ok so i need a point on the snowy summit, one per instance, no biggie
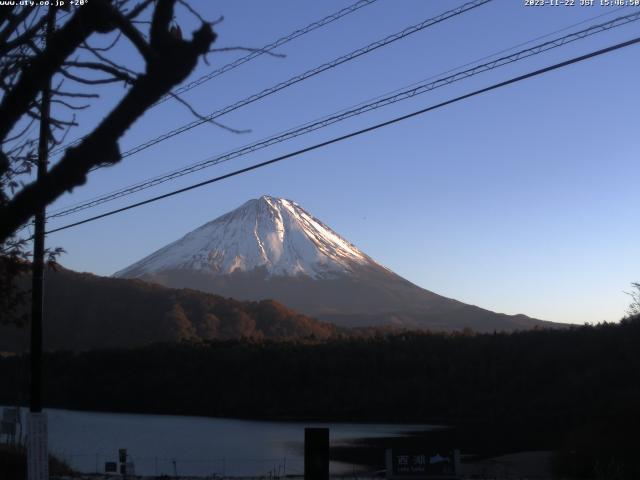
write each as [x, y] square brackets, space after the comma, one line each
[270, 248]
[268, 232]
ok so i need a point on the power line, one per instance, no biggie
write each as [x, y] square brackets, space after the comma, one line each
[271, 46]
[311, 73]
[306, 75]
[250, 56]
[416, 89]
[214, 160]
[500, 52]
[358, 132]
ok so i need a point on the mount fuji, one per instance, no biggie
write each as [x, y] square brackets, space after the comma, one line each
[272, 248]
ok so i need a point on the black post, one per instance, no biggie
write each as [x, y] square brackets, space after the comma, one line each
[316, 454]
[37, 283]
[37, 449]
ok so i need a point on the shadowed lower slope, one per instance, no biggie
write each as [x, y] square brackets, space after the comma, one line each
[368, 296]
[272, 248]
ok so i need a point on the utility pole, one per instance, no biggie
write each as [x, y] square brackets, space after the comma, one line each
[37, 449]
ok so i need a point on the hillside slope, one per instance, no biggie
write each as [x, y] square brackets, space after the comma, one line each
[85, 311]
[272, 248]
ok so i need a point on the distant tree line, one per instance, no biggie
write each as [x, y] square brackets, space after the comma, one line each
[576, 390]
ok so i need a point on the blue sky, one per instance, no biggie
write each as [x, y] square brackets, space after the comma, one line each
[522, 200]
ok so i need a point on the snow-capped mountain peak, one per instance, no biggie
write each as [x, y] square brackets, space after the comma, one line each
[270, 248]
[267, 232]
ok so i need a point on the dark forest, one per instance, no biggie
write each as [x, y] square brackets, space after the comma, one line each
[576, 390]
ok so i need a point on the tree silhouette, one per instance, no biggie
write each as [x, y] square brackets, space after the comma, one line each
[71, 61]
[26, 66]
[634, 306]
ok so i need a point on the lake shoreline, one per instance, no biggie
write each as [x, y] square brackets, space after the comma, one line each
[166, 444]
[360, 450]
[362, 454]
[435, 422]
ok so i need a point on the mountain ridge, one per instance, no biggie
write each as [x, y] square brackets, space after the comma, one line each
[274, 233]
[272, 248]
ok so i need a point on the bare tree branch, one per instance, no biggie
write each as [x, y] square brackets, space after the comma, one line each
[138, 9]
[103, 49]
[75, 94]
[23, 37]
[12, 24]
[170, 63]
[21, 132]
[88, 81]
[85, 21]
[248, 49]
[104, 59]
[198, 115]
[134, 36]
[70, 105]
[114, 71]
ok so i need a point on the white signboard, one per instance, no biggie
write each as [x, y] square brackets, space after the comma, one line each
[37, 451]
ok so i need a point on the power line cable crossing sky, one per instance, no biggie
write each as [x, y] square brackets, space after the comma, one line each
[357, 133]
[310, 73]
[329, 120]
[252, 56]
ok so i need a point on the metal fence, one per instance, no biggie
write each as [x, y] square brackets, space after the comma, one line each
[224, 467]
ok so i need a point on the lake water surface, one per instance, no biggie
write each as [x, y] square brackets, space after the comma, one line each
[166, 444]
